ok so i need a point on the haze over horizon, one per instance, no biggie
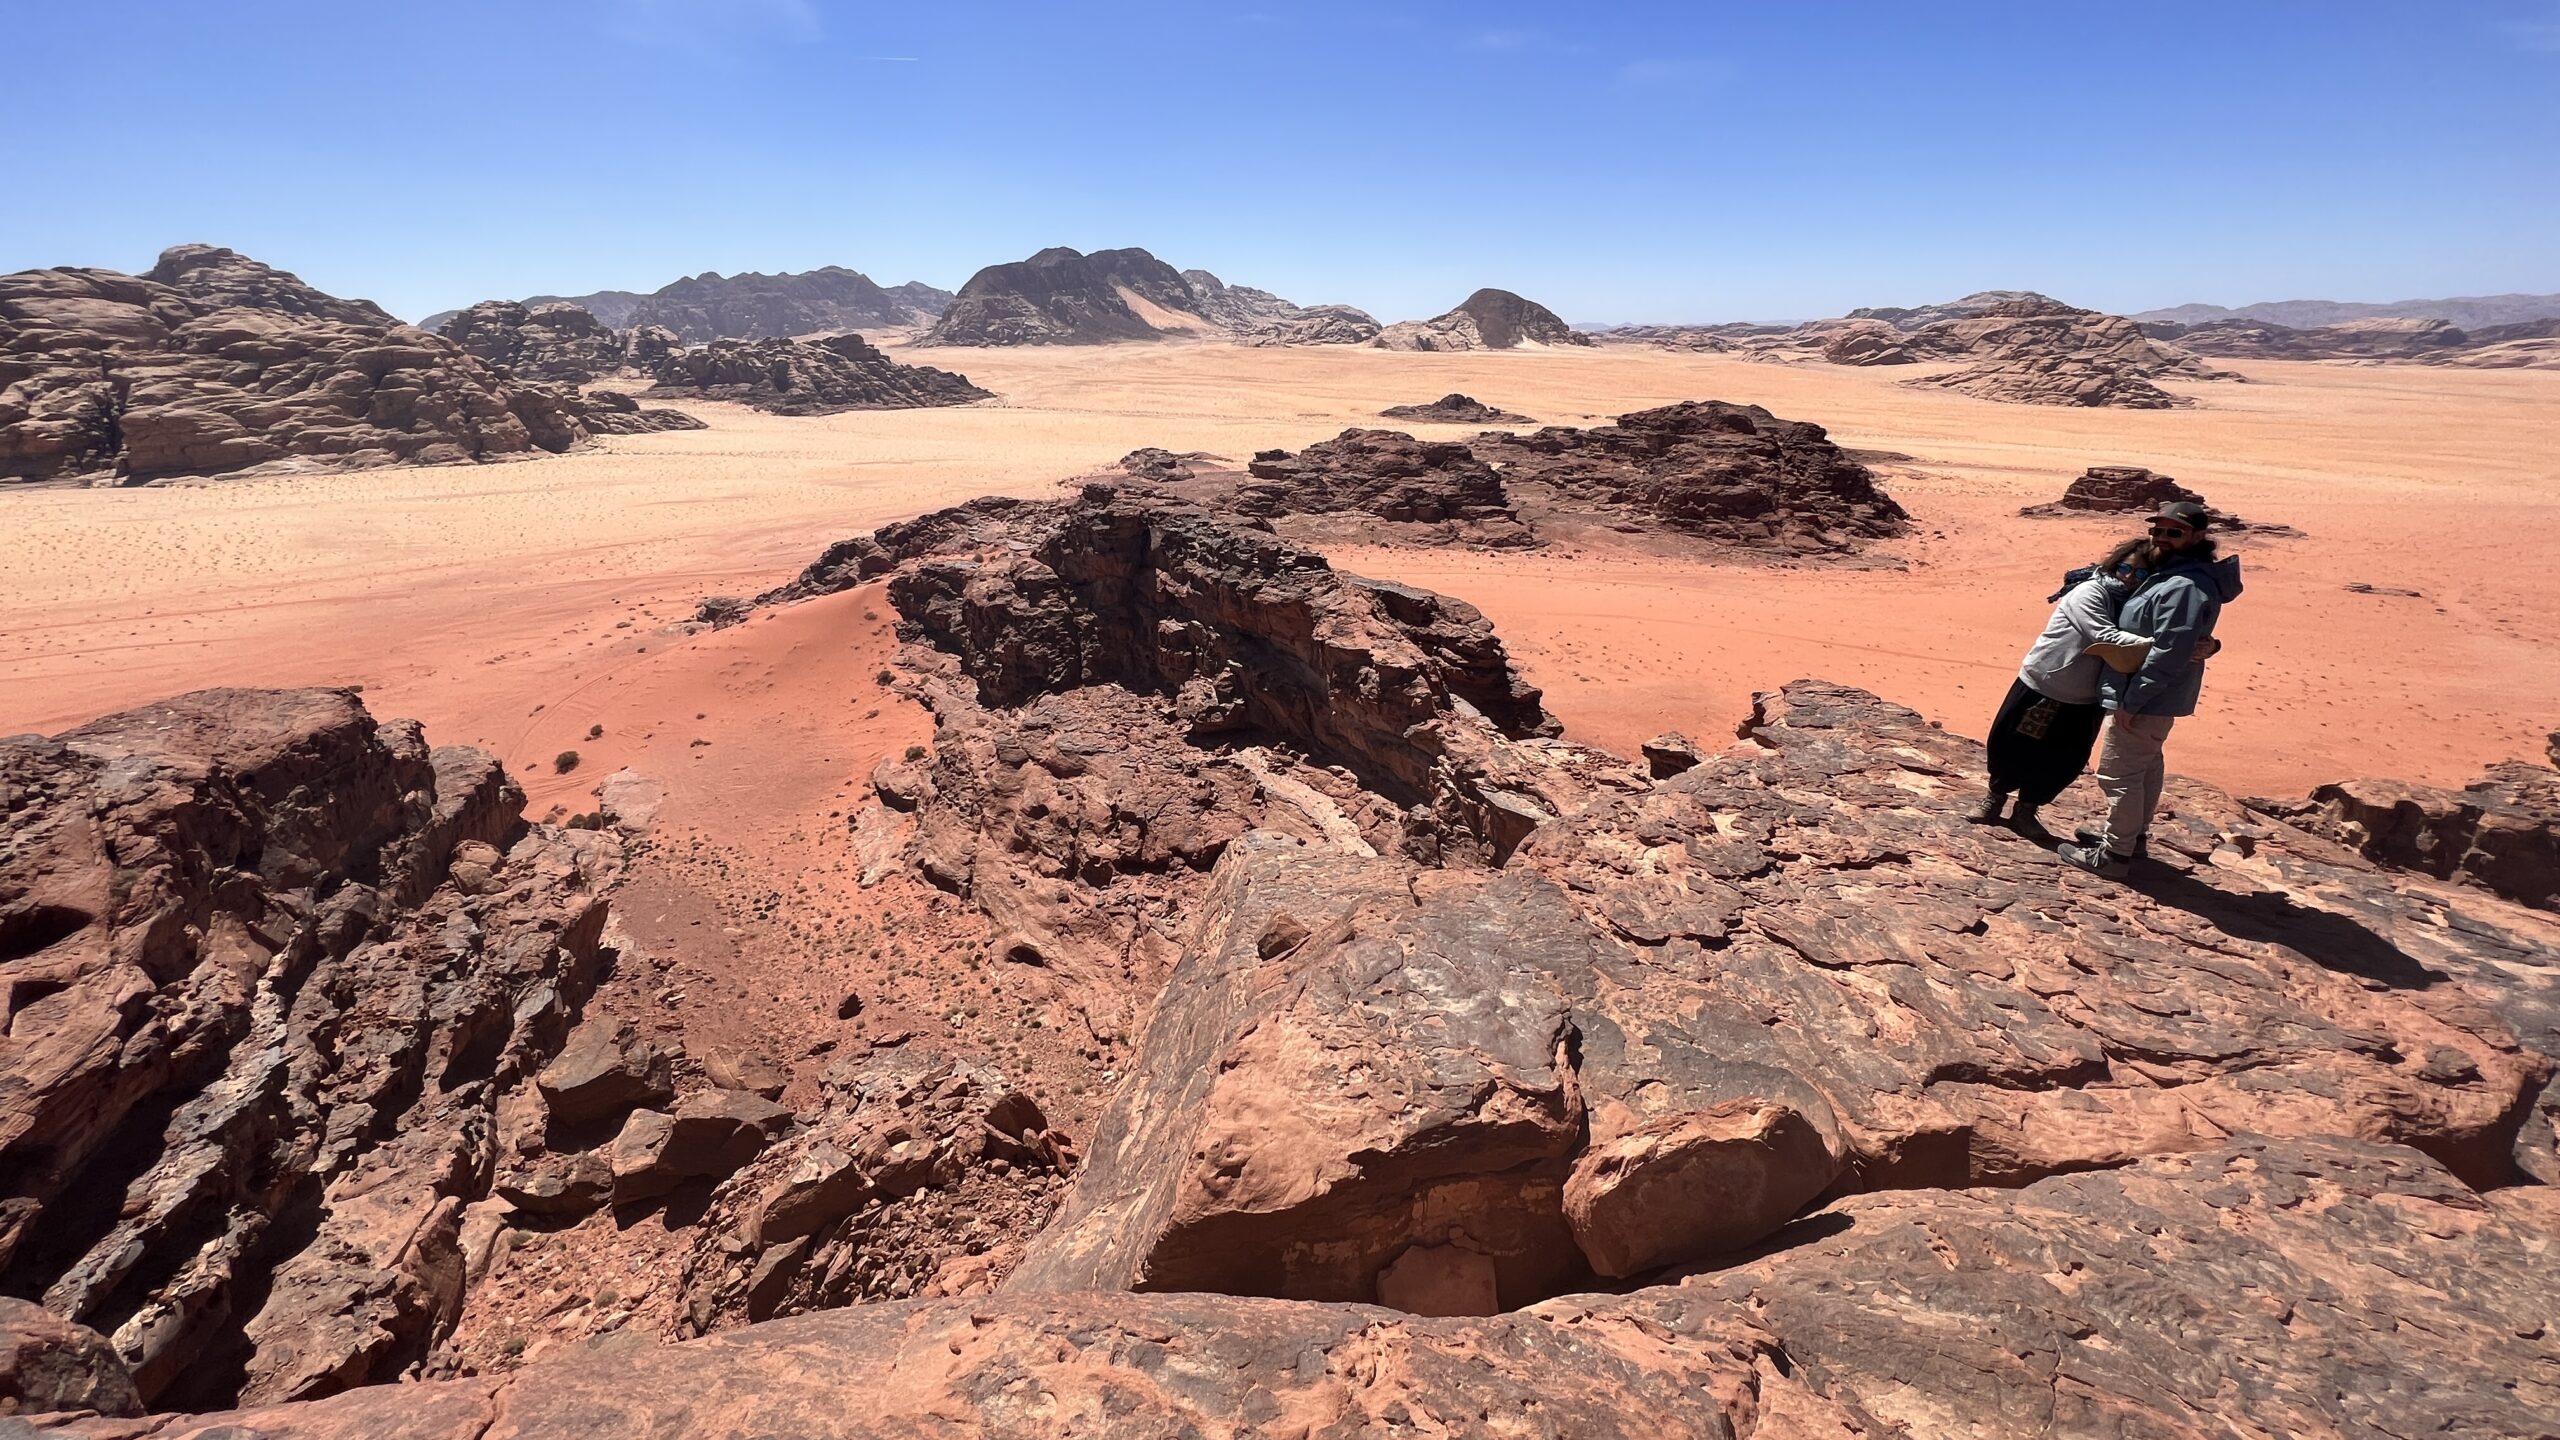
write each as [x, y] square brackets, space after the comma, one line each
[1658, 163]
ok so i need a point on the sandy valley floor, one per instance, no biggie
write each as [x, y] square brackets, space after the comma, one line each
[502, 604]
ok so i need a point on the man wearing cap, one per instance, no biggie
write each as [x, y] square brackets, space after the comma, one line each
[2177, 607]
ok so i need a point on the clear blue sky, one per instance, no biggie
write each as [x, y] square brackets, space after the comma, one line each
[1670, 161]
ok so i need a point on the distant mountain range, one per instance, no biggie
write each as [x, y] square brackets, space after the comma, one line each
[712, 306]
[2468, 311]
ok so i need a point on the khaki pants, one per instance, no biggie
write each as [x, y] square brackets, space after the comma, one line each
[2131, 769]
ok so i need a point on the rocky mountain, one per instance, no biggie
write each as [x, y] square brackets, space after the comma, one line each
[753, 306]
[556, 341]
[2466, 311]
[1487, 320]
[1065, 297]
[1473, 1073]
[802, 377]
[226, 364]
[2529, 343]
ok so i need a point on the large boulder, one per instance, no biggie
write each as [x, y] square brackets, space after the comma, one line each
[258, 1033]
[48, 1363]
[2502, 832]
[215, 364]
[604, 1071]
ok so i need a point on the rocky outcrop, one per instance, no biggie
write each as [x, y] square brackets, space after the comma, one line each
[2502, 832]
[610, 412]
[47, 1363]
[702, 308]
[2354, 1289]
[269, 968]
[132, 379]
[557, 342]
[2374, 338]
[1730, 473]
[2038, 351]
[1455, 409]
[1066, 297]
[2117, 490]
[1684, 1011]
[699, 309]
[921, 1176]
[800, 377]
[223, 279]
[1487, 320]
[1437, 486]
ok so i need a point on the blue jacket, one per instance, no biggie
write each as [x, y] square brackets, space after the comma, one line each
[2176, 607]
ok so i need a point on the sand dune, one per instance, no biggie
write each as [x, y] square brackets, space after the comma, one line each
[467, 597]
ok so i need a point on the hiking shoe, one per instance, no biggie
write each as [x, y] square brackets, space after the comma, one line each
[2092, 839]
[2024, 821]
[1986, 811]
[2096, 859]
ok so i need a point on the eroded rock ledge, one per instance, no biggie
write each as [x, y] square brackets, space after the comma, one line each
[268, 968]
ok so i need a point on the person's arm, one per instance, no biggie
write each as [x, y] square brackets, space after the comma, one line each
[2177, 613]
[2089, 612]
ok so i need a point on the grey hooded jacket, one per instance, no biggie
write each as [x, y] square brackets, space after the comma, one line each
[2055, 666]
[2177, 607]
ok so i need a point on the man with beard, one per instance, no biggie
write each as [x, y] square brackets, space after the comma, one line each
[2177, 605]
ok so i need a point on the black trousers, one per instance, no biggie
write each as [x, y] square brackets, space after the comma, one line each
[2039, 746]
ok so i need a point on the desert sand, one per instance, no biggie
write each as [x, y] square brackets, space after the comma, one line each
[488, 600]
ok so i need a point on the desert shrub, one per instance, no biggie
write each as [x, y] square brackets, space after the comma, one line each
[595, 732]
[915, 752]
[564, 762]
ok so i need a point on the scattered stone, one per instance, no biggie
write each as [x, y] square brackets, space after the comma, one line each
[1670, 753]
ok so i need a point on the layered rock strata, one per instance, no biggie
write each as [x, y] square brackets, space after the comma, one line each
[270, 968]
[558, 341]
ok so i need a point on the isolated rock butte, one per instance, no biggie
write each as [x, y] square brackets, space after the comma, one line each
[2039, 351]
[1393, 477]
[1731, 473]
[261, 1013]
[104, 374]
[808, 377]
[2353, 1290]
[1487, 320]
[1065, 297]
[1455, 409]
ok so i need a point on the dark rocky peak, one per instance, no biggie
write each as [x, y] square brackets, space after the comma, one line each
[1454, 409]
[1980, 302]
[1486, 320]
[228, 278]
[800, 377]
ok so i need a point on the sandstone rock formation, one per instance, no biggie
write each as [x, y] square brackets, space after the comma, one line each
[1487, 320]
[2501, 832]
[610, 412]
[1731, 473]
[1065, 297]
[699, 309]
[1387, 475]
[228, 280]
[922, 1175]
[801, 377]
[2354, 1290]
[2526, 343]
[1455, 409]
[132, 379]
[546, 342]
[2139, 490]
[47, 1363]
[2039, 351]
[269, 968]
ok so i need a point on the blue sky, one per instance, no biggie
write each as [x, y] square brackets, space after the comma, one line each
[1692, 161]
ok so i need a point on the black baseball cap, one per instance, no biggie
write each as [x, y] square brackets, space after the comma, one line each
[2185, 512]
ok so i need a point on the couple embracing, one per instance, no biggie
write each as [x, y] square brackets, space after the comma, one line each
[2125, 648]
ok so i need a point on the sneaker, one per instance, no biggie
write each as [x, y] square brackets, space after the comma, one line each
[2096, 859]
[1986, 811]
[2092, 839]
[2024, 821]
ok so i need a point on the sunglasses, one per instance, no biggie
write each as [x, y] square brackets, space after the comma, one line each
[2172, 531]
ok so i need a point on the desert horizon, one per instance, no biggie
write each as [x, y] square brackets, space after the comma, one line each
[1249, 823]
